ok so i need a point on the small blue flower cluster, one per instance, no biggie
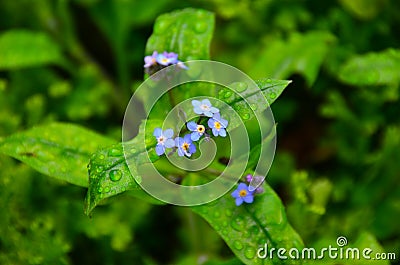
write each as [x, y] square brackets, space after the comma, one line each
[242, 192]
[162, 59]
[185, 145]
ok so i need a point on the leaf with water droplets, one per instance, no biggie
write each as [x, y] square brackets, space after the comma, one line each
[187, 32]
[247, 228]
[109, 174]
[269, 89]
[58, 150]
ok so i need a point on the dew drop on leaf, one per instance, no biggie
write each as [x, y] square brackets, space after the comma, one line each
[228, 94]
[239, 86]
[217, 214]
[115, 175]
[99, 169]
[237, 223]
[228, 213]
[237, 245]
[115, 152]
[249, 252]
[200, 27]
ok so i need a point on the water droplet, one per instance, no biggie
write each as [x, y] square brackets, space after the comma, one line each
[115, 175]
[225, 232]
[100, 189]
[272, 95]
[225, 223]
[228, 213]
[269, 80]
[239, 86]
[200, 27]
[115, 152]
[238, 223]
[107, 189]
[237, 245]
[217, 214]
[216, 227]
[249, 252]
[63, 170]
[101, 156]
[99, 169]
[228, 94]
[245, 116]
[221, 93]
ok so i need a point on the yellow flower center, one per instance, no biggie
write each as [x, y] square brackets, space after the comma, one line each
[200, 128]
[164, 60]
[217, 125]
[204, 107]
[242, 193]
[185, 146]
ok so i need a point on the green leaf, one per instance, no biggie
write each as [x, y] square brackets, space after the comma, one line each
[187, 32]
[381, 68]
[110, 175]
[22, 48]
[271, 89]
[58, 150]
[301, 54]
[247, 228]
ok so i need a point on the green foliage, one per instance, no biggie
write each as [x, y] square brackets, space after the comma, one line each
[187, 32]
[22, 48]
[57, 150]
[247, 228]
[335, 170]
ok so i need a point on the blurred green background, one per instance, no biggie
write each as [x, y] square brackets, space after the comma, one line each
[337, 164]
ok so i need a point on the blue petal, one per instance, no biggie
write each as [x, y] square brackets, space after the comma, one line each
[222, 132]
[214, 110]
[238, 201]
[178, 141]
[169, 133]
[217, 116]
[192, 126]
[206, 102]
[192, 149]
[196, 103]
[195, 136]
[180, 152]
[187, 138]
[169, 143]
[223, 122]
[235, 193]
[160, 149]
[211, 123]
[208, 113]
[157, 132]
[242, 186]
[198, 110]
[249, 198]
[215, 131]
